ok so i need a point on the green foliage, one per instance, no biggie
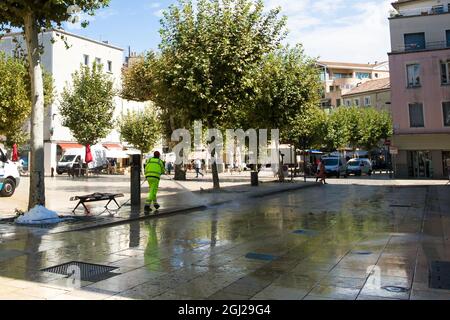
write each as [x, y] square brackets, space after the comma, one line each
[15, 104]
[15, 97]
[357, 127]
[210, 53]
[288, 84]
[87, 106]
[47, 14]
[308, 129]
[138, 79]
[375, 125]
[141, 129]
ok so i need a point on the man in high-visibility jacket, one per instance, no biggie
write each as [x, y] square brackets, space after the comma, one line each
[154, 168]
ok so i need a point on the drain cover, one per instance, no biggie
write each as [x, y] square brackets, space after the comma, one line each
[395, 289]
[363, 252]
[88, 271]
[305, 232]
[440, 275]
[260, 256]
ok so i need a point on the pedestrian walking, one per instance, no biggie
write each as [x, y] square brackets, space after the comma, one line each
[198, 167]
[322, 173]
[154, 168]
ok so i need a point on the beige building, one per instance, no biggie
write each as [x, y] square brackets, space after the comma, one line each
[374, 93]
[339, 78]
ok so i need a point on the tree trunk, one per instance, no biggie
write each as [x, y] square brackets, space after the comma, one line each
[180, 173]
[215, 175]
[215, 171]
[37, 174]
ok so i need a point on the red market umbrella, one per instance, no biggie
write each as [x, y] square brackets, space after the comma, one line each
[15, 153]
[88, 158]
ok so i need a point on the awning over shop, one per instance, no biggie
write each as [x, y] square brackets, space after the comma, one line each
[116, 154]
[67, 146]
[113, 146]
[131, 151]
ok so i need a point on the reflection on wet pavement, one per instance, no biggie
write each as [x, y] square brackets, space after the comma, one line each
[335, 242]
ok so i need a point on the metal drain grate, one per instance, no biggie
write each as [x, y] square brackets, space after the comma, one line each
[260, 256]
[440, 275]
[395, 289]
[88, 271]
[363, 253]
[305, 232]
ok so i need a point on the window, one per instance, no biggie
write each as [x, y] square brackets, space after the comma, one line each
[357, 102]
[338, 102]
[445, 72]
[348, 103]
[98, 61]
[342, 75]
[109, 66]
[363, 75]
[86, 60]
[367, 101]
[414, 41]
[446, 110]
[413, 74]
[416, 119]
[447, 35]
[437, 9]
[376, 75]
[331, 88]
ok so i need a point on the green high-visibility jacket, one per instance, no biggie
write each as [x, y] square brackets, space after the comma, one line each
[154, 168]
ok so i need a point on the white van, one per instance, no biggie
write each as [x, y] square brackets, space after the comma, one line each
[9, 176]
[335, 166]
[72, 157]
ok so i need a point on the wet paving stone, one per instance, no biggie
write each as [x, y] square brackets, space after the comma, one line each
[335, 292]
[202, 255]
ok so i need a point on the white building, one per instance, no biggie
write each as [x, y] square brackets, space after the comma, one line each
[62, 62]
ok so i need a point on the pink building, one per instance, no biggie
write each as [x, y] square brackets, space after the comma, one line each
[420, 82]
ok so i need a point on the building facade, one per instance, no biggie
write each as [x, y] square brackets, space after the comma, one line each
[62, 62]
[339, 78]
[373, 93]
[420, 81]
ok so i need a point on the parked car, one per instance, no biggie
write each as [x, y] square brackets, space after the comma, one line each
[359, 167]
[335, 166]
[9, 176]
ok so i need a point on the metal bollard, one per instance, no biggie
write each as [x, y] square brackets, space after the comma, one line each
[254, 176]
[136, 180]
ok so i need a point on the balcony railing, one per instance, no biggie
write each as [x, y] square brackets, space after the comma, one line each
[432, 45]
[439, 9]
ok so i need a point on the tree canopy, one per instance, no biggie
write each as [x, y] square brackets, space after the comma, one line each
[357, 127]
[87, 106]
[141, 129]
[15, 97]
[46, 13]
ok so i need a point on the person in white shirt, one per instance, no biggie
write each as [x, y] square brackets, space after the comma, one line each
[198, 167]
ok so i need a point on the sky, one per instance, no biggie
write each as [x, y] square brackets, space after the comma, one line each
[333, 30]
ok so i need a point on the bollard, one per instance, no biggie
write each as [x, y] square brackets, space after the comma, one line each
[136, 180]
[255, 181]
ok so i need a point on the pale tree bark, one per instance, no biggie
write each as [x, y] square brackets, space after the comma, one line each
[37, 178]
[215, 171]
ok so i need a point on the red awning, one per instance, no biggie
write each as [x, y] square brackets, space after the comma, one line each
[66, 146]
[113, 146]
